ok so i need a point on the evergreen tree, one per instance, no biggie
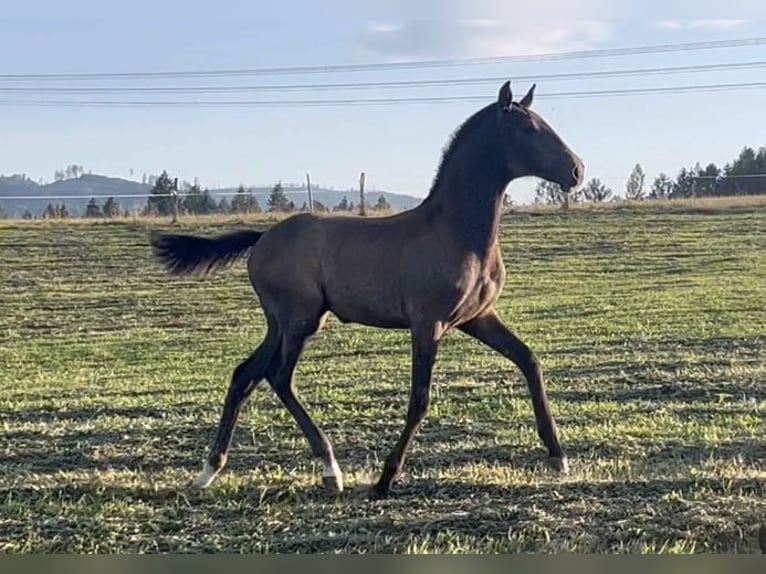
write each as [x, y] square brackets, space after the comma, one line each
[382, 204]
[111, 208]
[277, 199]
[244, 201]
[684, 185]
[160, 202]
[342, 206]
[93, 209]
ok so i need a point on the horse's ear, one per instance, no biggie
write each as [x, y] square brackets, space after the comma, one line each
[526, 101]
[505, 97]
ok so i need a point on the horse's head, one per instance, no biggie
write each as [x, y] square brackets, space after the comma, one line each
[531, 146]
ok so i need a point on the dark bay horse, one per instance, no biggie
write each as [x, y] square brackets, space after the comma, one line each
[430, 269]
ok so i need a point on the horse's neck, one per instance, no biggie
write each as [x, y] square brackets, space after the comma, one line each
[468, 198]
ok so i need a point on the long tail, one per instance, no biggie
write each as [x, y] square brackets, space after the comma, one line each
[189, 253]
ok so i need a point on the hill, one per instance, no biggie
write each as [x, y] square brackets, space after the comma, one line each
[19, 194]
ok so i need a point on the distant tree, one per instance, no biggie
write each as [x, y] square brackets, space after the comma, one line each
[76, 170]
[634, 188]
[662, 187]
[27, 215]
[224, 206]
[707, 181]
[244, 201]
[58, 175]
[55, 211]
[684, 184]
[3, 215]
[320, 207]
[382, 204]
[209, 205]
[93, 209]
[160, 202]
[343, 205]
[198, 202]
[277, 199]
[596, 191]
[111, 208]
[548, 192]
[745, 175]
[252, 204]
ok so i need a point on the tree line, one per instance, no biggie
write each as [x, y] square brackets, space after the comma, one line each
[745, 175]
[165, 200]
[197, 201]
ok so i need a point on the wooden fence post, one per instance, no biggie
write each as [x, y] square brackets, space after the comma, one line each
[308, 188]
[174, 193]
[362, 210]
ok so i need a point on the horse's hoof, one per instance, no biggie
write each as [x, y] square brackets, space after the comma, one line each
[332, 477]
[378, 492]
[204, 478]
[333, 484]
[559, 464]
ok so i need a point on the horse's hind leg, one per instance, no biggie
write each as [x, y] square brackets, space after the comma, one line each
[280, 375]
[244, 379]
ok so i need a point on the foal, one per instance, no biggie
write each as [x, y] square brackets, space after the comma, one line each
[430, 269]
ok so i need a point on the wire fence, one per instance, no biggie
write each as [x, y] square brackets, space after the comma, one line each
[292, 190]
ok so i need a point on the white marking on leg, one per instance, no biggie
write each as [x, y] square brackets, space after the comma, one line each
[332, 470]
[204, 478]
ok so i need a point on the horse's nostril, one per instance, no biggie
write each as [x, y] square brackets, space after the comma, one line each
[576, 173]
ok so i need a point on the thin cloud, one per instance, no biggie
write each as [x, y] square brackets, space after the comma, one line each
[699, 24]
[419, 39]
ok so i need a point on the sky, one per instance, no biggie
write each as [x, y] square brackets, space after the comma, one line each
[397, 146]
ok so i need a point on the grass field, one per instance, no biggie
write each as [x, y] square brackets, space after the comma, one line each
[650, 324]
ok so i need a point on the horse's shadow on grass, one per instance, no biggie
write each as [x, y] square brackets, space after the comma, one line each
[428, 508]
[181, 444]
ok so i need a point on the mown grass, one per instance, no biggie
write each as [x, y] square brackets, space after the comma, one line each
[650, 323]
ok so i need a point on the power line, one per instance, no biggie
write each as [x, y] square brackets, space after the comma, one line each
[629, 72]
[732, 176]
[377, 101]
[413, 65]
